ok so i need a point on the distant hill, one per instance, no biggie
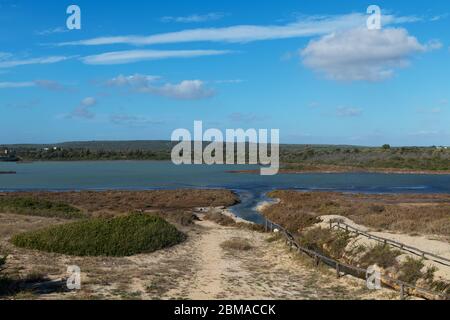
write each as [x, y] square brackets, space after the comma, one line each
[294, 157]
[143, 145]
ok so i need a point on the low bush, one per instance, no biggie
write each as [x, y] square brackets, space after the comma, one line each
[38, 207]
[326, 241]
[380, 255]
[411, 270]
[237, 244]
[120, 236]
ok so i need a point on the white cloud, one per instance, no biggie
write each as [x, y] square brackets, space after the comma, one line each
[88, 102]
[136, 80]
[348, 112]
[195, 18]
[362, 54]
[83, 110]
[185, 90]
[122, 57]
[6, 62]
[306, 27]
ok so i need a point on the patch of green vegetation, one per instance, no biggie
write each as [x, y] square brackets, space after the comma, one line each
[120, 236]
[326, 241]
[380, 255]
[411, 270]
[296, 157]
[38, 207]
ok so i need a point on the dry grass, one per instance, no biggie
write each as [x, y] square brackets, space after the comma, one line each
[413, 214]
[239, 244]
[127, 201]
[220, 219]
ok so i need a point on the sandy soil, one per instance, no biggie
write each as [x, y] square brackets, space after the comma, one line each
[197, 269]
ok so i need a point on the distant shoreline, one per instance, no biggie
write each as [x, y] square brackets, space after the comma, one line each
[8, 172]
[320, 169]
[343, 169]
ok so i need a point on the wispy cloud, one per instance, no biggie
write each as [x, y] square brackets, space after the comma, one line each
[7, 60]
[435, 110]
[50, 85]
[46, 84]
[195, 18]
[133, 121]
[83, 109]
[24, 105]
[306, 27]
[130, 56]
[15, 85]
[52, 31]
[348, 112]
[246, 117]
[229, 81]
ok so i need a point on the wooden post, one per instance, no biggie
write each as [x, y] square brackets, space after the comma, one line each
[338, 272]
[317, 260]
[331, 225]
[266, 227]
[402, 292]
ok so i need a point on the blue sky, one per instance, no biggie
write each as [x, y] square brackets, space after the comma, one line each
[141, 69]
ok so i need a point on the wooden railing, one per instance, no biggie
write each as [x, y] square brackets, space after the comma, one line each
[342, 268]
[418, 252]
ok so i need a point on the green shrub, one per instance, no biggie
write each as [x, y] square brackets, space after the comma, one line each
[380, 255]
[37, 207]
[120, 236]
[326, 241]
[411, 270]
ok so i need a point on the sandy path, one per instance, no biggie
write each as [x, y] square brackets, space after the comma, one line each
[268, 271]
[208, 282]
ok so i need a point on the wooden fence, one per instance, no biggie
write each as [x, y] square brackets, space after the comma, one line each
[342, 268]
[423, 254]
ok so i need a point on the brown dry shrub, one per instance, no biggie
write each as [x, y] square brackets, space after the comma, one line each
[238, 244]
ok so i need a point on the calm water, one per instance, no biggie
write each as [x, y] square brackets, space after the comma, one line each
[144, 175]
